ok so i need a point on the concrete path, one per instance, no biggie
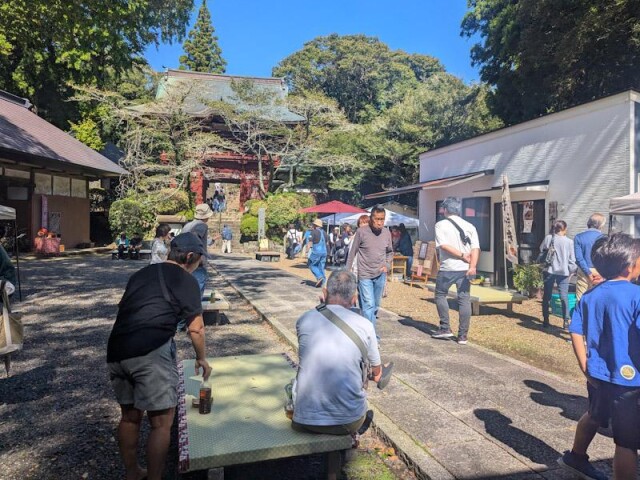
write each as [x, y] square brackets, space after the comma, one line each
[452, 411]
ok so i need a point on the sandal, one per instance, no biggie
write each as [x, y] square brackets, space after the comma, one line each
[386, 375]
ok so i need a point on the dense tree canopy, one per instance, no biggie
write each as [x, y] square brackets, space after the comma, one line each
[361, 73]
[202, 52]
[545, 55]
[45, 44]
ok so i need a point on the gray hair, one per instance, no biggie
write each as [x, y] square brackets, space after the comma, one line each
[453, 205]
[597, 220]
[343, 284]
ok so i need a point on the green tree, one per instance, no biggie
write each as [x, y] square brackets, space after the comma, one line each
[545, 55]
[45, 44]
[87, 132]
[202, 52]
[440, 111]
[361, 73]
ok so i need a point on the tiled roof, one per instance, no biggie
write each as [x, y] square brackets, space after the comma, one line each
[24, 132]
[215, 87]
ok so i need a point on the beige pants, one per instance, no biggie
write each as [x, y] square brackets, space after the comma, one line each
[583, 283]
[226, 246]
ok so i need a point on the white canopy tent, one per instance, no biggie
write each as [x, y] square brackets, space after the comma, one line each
[9, 214]
[627, 205]
[391, 218]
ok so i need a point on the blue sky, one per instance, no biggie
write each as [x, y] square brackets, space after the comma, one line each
[256, 34]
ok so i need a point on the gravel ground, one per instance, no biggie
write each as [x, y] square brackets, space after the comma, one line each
[519, 334]
[57, 411]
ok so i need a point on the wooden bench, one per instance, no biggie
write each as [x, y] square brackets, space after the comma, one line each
[268, 256]
[247, 423]
[210, 308]
[145, 254]
[486, 296]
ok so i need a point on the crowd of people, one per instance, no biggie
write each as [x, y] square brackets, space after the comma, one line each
[339, 341]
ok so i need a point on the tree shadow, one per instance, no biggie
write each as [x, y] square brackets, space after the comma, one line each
[27, 386]
[499, 427]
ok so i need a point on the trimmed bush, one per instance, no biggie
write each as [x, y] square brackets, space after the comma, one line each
[131, 216]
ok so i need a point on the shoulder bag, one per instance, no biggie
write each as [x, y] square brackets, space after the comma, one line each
[547, 255]
[365, 366]
[464, 238]
[12, 331]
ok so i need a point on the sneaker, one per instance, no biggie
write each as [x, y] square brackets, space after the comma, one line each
[442, 333]
[580, 466]
[462, 339]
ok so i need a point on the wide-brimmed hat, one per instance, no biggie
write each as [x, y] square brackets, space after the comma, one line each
[188, 243]
[203, 212]
[317, 222]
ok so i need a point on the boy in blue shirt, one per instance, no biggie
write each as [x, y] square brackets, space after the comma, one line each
[605, 332]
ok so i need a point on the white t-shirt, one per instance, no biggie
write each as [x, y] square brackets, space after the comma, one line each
[447, 234]
[329, 383]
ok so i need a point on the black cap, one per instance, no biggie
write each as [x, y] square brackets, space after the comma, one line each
[187, 242]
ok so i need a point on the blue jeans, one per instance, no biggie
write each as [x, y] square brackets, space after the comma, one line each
[563, 285]
[316, 264]
[201, 276]
[444, 280]
[370, 293]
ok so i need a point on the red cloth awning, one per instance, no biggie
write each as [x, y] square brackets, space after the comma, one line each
[334, 206]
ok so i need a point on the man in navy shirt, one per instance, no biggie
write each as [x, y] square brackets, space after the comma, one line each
[605, 332]
[583, 243]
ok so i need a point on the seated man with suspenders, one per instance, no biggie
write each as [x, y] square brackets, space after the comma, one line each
[338, 354]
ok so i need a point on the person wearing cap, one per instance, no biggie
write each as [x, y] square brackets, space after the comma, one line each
[317, 252]
[141, 353]
[458, 249]
[200, 228]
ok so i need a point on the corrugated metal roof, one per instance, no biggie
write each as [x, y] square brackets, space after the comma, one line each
[24, 132]
[218, 88]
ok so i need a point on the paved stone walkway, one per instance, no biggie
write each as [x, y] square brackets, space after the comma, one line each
[453, 411]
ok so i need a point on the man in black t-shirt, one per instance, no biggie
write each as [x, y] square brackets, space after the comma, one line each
[141, 353]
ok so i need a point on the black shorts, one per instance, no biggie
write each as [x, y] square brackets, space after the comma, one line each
[618, 404]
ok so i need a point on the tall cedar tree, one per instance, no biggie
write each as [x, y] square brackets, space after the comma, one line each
[202, 52]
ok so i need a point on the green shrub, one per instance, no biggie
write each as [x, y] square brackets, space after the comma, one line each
[130, 215]
[527, 278]
[249, 226]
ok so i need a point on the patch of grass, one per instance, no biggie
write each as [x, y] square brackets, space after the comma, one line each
[367, 466]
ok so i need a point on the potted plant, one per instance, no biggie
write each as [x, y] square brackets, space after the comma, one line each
[528, 279]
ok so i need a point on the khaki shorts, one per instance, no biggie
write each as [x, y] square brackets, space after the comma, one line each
[149, 382]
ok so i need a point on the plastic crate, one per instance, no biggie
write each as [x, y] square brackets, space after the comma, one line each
[556, 304]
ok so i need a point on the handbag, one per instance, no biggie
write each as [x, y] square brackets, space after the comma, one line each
[547, 255]
[12, 331]
[365, 366]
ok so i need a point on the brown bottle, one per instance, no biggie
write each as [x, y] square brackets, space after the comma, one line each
[205, 397]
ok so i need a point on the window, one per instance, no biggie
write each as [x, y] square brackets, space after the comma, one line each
[477, 211]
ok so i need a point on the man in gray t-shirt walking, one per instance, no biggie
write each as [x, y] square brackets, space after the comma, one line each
[374, 249]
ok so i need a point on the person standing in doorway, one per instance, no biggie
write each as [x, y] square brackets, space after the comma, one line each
[583, 244]
[317, 252]
[200, 228]
[374, 250]
[227, 236]
[459, 249]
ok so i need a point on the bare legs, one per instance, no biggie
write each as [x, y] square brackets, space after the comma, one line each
[585, 431]
[157, 444]
[625, 463]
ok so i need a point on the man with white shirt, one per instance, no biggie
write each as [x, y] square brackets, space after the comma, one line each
[459, 249]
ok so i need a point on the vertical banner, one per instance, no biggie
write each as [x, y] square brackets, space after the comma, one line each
[44, 216]
[508, 224]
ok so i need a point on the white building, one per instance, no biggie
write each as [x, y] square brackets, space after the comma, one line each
[565, 165]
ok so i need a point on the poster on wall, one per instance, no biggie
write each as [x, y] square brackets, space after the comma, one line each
[54, 221]
[527, 217]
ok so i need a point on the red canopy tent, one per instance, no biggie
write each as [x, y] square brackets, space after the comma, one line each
[334, 206]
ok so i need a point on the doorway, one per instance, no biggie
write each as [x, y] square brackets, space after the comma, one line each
[529, 219]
